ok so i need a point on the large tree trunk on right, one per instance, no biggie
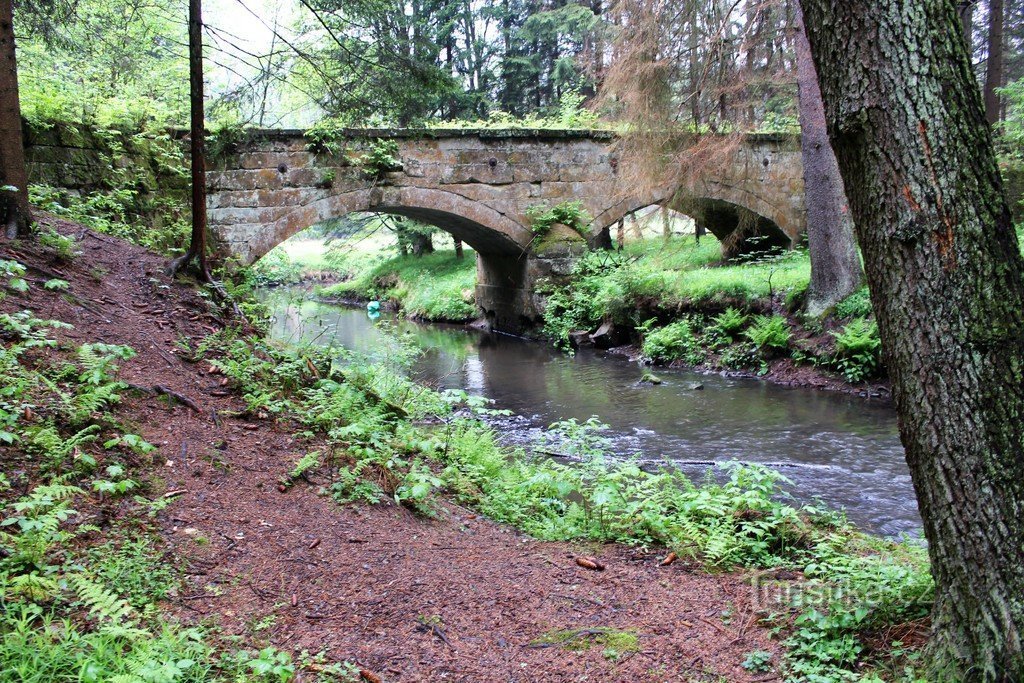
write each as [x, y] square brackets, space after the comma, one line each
[908, 126]
[835, 263]
[14, 208]
[994, 72]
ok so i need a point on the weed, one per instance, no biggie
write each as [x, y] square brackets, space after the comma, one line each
[770, 334]
[570, 214]
[858, 350]
[381, 159]
[758, 661]
[64, 247]
[675, 341]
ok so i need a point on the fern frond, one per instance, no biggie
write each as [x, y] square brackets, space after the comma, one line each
[102, 602]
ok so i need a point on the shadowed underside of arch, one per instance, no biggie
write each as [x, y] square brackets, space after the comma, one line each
[744, 223]
[484, 229]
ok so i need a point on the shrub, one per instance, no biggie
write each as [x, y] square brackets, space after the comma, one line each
[857, 305]
[382, 158]
[770, 334]
[543, 218]
[730, 322]
[858, 350]
[673, 342]
[64, 247]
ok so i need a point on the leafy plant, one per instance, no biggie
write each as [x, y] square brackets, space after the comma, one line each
[381, 158]
[770, 334]
[730, 322]
[674, 342]
[758, 661]
[571, 214]
[858, 350]
[64, 247]
[14, 274]
[327, 136]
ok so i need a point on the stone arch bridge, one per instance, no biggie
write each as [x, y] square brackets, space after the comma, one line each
[478, 185]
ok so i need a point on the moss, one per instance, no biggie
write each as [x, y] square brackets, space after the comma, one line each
[581, 639]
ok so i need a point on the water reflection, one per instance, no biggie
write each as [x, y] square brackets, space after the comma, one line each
[840, 449]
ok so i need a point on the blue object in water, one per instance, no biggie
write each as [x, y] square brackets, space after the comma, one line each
[373, 306]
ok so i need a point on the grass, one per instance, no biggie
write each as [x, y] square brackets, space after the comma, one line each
[435, 286]
[684, 271]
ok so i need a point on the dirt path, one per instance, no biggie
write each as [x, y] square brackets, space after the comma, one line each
[456, 598]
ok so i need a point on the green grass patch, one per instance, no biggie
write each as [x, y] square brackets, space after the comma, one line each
[437, 286]
[615, 642]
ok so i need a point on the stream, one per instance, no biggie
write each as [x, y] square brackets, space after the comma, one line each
[840, 449]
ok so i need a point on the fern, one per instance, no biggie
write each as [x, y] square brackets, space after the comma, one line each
[102, 602]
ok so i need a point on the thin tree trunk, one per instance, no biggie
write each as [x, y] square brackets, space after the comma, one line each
[458, 249]
[947, 284]
[14, 208]
[666, 224]
[197, 244]
[835, 264]
[994, 70]
[966, 10]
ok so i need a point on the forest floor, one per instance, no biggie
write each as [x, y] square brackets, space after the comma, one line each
[408, 598]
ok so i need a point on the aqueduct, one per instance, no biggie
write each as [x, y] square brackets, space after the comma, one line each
[478, 185]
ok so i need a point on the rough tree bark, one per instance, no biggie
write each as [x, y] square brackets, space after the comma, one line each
[197, 243]
[835, 263]
[994, 70]
[908, 126]
[14, 208]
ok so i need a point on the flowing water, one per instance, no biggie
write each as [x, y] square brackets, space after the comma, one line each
[843, 450]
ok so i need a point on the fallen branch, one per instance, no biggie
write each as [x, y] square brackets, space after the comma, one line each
[160, 390]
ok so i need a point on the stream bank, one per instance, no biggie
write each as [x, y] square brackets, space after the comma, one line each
[669, 304]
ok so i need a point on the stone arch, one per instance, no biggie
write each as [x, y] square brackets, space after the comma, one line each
[484, 229]
[731, 213]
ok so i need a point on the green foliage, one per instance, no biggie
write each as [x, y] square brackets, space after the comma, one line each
[571, 214]
[157, 222]
[13, 274]
[64, 247]
[857, 305]
[328, 136]
[381, 159]
[225, 137]
[270, 665]
[66, 76]
[770, 334]
[758, 661]
[307, 463]
[858, 350]
[730, 322]
[570, 114]
[437, 286]
[675, 341]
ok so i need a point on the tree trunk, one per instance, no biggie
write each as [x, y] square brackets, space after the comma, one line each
[458, 248]
[835, 264]
[966, 10]
[994, 71]
[14, 208]
[666, 225]
[421, 243]
[197, 244]
[947, 284]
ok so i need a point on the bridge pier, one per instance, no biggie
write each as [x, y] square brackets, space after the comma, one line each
[506, 290]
